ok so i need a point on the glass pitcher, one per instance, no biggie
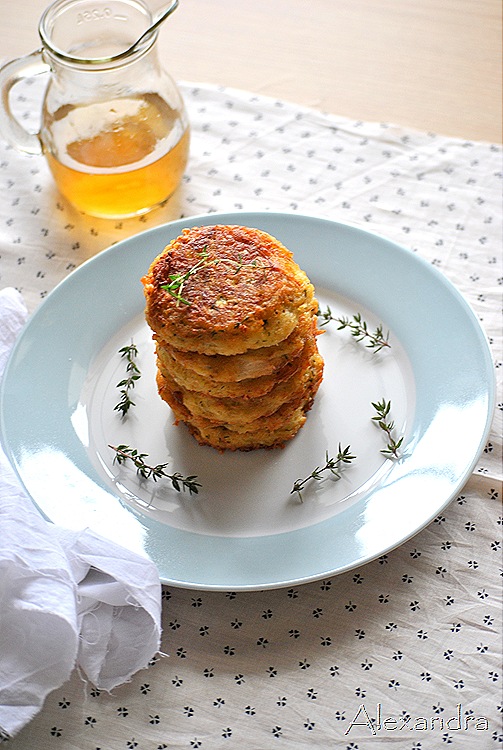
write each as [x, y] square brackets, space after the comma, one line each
[114, 129]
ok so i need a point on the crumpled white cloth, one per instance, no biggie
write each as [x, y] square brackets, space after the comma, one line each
[67, 598]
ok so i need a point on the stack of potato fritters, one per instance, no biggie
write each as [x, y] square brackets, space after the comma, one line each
[235, 325]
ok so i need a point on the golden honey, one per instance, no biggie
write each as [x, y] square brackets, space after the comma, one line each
[133, 162]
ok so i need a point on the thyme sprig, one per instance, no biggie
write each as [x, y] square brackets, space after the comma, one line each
[177, 280]
[124, 453]
[383, 409]
[332, 465]
[359, 328]
[129, 353]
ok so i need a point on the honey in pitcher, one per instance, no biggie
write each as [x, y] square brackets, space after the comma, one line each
[117, 159]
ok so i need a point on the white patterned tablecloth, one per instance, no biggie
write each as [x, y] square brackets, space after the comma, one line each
[414, 637]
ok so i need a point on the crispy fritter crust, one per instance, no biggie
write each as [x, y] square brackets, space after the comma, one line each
[247, 291]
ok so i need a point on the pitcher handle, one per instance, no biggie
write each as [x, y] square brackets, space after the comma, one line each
[10, 128]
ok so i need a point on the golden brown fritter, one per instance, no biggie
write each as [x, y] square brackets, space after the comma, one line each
[254, 363]
[222, 438]
[243, 389]
[272, 430]
[234, 321]
[255, 413]
[240, 289]
[242, 411]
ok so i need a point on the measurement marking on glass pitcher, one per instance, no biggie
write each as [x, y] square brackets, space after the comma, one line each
[96, 14]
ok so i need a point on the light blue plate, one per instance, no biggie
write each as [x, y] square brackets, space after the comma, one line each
[245, 530]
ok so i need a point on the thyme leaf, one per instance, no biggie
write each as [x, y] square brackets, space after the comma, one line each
[129, 353]
[124, 453]
[382, 420]
[359, 328]
[332, 465]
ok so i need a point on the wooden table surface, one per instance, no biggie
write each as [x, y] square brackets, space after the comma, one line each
[429, 64]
